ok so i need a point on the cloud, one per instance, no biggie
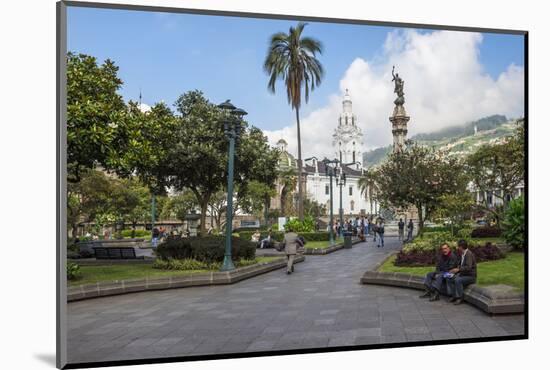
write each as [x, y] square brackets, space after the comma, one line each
[445, 85]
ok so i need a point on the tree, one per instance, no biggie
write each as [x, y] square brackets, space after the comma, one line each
[87, 198]
[367, 186]
[95, 114]
[287, 177]
[498, 169]
[198, 159]
[292, 58]
[514, 223]
[130, 201]
[455, 208]
[419, 176]
[314, 209]
[179, 205]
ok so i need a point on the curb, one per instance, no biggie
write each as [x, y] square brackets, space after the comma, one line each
[105, 289]
[332, 248]
[494, 299]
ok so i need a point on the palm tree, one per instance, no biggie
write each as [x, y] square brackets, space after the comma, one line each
[367, 185]
[291, 58]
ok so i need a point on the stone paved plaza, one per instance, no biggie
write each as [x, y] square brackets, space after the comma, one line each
[321, 305]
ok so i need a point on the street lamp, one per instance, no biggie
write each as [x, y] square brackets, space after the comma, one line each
[232, 129]
[330, 172]
[341, 182]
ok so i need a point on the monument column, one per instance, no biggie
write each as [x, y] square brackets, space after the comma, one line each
[399, 117]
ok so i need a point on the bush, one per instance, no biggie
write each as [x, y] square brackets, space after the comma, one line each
[137, 233]
[514, 223]
[208, 249]
[184, 264]
[428, 257]
[73, 271]
[308, 225]
[486, 232]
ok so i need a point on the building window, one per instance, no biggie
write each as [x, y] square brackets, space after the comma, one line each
[340, 156]
[351, 204]
[327, 190]
[351, 190]
[353, 156]
[490, 197]
[346, 120]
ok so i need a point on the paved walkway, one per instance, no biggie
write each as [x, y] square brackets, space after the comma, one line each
[321, 305]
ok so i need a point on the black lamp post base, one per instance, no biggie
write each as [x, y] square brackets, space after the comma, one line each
[227, 264]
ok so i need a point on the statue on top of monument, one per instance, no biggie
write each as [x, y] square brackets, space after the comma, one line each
[399, 83]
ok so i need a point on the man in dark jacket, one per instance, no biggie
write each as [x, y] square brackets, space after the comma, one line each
[464, 275]
[434, 280]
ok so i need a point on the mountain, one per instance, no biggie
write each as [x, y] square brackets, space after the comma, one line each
[459, 140]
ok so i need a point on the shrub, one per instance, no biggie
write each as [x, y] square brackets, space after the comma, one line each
[185, 264]
[137, 233]
[428, 257]
[486, 232]
[208, 249]
[307, 225]
[514, 223]
[73, 271]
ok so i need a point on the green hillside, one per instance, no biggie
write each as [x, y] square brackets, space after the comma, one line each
[459, 140]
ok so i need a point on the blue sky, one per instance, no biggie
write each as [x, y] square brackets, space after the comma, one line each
[166, 55]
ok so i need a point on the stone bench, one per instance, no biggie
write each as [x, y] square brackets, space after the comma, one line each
[494, 299]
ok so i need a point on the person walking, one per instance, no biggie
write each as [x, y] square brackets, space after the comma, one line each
[291, 243]
[410, 228]
[401, 226]
[381, 233]
[155, 238]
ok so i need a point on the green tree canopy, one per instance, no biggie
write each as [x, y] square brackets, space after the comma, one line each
[95, 114]
[419, 176]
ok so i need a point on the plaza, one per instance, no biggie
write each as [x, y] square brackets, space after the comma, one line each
[321, 305]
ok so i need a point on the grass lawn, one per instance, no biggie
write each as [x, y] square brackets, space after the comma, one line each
[322, 244]
[94, 274]
[508, 271]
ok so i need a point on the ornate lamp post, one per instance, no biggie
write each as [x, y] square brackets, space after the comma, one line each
[330, 172]
[232, 129]
[341, 182]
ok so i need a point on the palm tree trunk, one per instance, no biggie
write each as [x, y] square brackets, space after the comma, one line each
[300, 190]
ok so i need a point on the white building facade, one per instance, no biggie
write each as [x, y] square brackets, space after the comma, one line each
[348, 148]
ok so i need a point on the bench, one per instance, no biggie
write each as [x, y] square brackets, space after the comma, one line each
[109, 253]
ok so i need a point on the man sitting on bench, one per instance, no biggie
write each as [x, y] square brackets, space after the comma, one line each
[464, 275]
[434, 280]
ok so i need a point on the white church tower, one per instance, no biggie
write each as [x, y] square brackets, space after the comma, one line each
[347, 137]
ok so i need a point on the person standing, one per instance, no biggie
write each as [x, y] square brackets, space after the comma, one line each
[291, 243]
[381, 233]
[464, 275]
[410, 228]
[401, 226]
[433, 282]
[155, 238]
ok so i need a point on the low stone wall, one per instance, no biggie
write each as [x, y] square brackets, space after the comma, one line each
[80, 292]
[94, 262]
[494, 299]
[333, 248]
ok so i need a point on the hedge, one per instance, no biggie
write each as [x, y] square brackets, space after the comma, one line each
[207, 249]
[488, 252]
[486, 232]
[137, 233]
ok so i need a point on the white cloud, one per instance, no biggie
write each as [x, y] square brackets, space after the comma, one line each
[445, 84]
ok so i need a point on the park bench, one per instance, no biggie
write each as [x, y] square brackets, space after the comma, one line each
[109, 253]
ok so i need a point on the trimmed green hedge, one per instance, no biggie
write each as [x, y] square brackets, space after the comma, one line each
[208, 249]
[137, 234]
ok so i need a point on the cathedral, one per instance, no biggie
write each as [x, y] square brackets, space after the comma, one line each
[347, 147]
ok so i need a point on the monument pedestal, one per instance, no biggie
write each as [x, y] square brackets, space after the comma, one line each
[399, 121]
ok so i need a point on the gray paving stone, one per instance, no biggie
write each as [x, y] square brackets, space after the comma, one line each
[311, 308]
